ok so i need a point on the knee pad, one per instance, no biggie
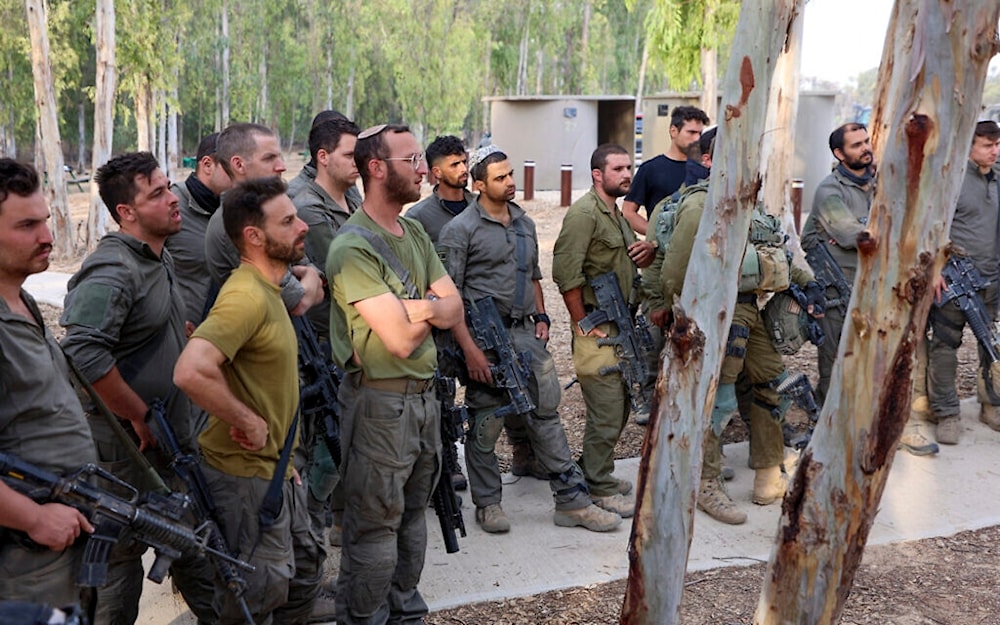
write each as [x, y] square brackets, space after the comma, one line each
[725, 406]
[736, 344]
[945, 330]
[487, 432]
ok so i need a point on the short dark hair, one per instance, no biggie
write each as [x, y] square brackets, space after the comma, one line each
[116, 179]
[837, 136]
[326, 135]
[207, 147]
[373, 147]
[479, 169]
[238, 140]
[242, 205]
[684, 114]
[440, 147]
[988, 129]
[707, 141]
[600, 156]
[17, 178]
[324, 116]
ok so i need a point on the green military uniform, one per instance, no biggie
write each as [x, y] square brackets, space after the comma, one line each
[433, 215]
[123, 310]
[41, 422]
[487, 258]
[839, 214]
[594, 240]
[390, 429]
[187, 248]
[250, 326]
[749, 348]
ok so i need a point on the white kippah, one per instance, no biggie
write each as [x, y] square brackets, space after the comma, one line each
[479, 154]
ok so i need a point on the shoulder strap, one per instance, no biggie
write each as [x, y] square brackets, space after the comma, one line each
[382, 249]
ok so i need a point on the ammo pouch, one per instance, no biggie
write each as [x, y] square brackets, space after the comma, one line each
[765, 262]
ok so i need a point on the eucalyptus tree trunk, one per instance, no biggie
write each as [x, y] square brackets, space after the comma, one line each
[778, 144]
[225, 64]
[173, 137]
[143, 104]
[931, 81]
[670, 468]
[48, 130]
[104, 114]
[709, 82]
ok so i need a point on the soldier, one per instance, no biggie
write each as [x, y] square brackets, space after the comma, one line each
[41, 420]
[389, 289]
[662, 175]
[595, 239]
[199, 197]
[974, 234]
[839, 214]
[492, 250]
[240, 366]
[749, 348]
[308, 172]
[124, 323]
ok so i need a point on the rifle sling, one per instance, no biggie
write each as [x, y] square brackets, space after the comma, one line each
[382, 249]
[270, 507]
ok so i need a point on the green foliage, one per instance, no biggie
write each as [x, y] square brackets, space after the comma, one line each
[679, 29]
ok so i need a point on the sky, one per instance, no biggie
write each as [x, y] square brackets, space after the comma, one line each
[842, 38]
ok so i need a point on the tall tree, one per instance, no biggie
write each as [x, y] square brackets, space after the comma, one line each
[48, 129]
[670, 468]
[104, 113]
[931, 48]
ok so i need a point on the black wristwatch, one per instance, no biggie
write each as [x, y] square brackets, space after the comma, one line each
[541, 318]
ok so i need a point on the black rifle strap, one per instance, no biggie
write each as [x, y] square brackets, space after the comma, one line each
[270, 508]
[146, 468]
[382, 249]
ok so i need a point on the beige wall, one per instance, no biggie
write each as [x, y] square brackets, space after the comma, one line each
[546, 131]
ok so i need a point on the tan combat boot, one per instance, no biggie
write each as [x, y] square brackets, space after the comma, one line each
[715, 502]
[768, 486]
[592, 517]
[990, 415]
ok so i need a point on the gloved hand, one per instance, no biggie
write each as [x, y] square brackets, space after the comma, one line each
[815, 299]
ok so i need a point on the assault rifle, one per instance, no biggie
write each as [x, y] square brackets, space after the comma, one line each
[512, 369]
[964, 280]
[319, 380]
[829, 274]
[796, 387]
[447, 505]
[813, 329]
[156, 521]
[633, 341]
[203, 506]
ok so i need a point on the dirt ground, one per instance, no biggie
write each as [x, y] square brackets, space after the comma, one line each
[936, 581]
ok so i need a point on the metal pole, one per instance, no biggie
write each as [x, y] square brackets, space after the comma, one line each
[797, 186]
[566, 187]
[529, 180]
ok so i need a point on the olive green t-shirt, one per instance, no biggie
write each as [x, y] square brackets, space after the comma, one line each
[249, 324]
[356, 272]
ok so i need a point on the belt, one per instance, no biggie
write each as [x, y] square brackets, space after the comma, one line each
[403, 386]
[510, 322]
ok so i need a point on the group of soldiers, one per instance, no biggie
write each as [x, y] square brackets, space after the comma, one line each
[193, 310]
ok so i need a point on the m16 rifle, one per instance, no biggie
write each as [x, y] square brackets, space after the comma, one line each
[796, 387]
[511, 370]
[319, 380]
[964, 281]
[633, 341]
[203, 506]
[156, 521]
[446, 503]
[829, 274]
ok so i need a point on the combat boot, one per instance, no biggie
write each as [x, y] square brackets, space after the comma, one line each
[493, 519]
[915, 442]
[622, 505]
[715, 502]
[768, 486]
[592, 517]
[948, 430]
[523, 462]
[990, 415]
[323, 609]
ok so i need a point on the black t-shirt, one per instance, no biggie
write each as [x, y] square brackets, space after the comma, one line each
[656, 179]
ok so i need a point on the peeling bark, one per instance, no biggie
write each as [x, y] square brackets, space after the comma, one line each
[670, 469]
[931, 79]
[104, 114]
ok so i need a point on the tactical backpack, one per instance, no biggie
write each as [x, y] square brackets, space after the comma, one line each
[667, 219]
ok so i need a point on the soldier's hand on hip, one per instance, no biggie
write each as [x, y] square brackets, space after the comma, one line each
[253, 437]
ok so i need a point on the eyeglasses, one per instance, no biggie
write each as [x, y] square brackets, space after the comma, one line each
[415, 160]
